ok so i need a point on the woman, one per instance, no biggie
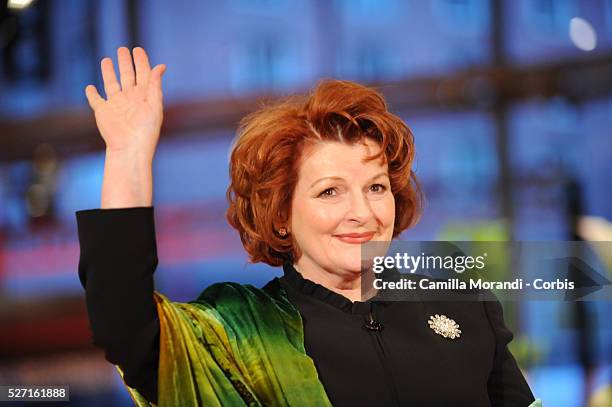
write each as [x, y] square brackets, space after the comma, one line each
[311, 180]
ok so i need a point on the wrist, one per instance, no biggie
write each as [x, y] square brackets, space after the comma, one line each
[128, 155]
[128, 180]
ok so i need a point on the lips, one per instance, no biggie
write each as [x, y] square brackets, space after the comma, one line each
[355, 238]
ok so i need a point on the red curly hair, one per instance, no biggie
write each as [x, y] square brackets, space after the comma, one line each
[265, 160]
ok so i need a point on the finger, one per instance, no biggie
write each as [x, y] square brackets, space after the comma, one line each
[143, 69]
[155, 83]
[93, 97]
[126, 69]
[111, 86]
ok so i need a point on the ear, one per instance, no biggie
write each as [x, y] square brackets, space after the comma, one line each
[283, 220]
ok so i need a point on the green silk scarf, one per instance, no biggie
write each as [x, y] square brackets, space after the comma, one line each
[236, 345]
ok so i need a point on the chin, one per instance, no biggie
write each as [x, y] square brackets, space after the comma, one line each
[353, 265]
[352, 259]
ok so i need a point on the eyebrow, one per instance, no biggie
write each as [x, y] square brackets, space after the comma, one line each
[340, 178]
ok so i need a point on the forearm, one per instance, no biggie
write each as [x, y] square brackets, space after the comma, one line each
[128, 180]
[116, 265]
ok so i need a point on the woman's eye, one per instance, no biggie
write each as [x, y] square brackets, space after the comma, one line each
[378, 188]
[328, 192]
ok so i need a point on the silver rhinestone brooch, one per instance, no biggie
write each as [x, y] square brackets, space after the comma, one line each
[442, 325]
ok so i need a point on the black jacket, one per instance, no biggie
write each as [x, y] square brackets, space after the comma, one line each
[404, 364]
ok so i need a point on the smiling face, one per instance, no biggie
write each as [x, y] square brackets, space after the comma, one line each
[339, 202]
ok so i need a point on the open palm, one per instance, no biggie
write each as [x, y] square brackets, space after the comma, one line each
[130, 117]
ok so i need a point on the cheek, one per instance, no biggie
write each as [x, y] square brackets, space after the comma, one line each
[385, 211]
[317, 218]
[324, 218]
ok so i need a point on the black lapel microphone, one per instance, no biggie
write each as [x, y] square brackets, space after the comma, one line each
[373, 325]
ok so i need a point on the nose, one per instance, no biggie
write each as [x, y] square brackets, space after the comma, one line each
[360, 209]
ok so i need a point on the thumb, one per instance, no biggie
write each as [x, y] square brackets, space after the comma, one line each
[159, 70]
[155, 82]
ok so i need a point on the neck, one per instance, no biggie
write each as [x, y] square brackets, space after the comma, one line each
[347, 284]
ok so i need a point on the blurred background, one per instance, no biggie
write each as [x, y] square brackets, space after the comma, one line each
[510, 103]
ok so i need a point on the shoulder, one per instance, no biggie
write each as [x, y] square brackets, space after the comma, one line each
[246, 306]
[229, 293]
[490, 309]
[495, 315]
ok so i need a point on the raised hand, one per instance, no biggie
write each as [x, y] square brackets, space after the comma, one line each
[130, 117]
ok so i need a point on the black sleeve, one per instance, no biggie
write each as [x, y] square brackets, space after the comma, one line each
[507, 386]
[117, 260]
